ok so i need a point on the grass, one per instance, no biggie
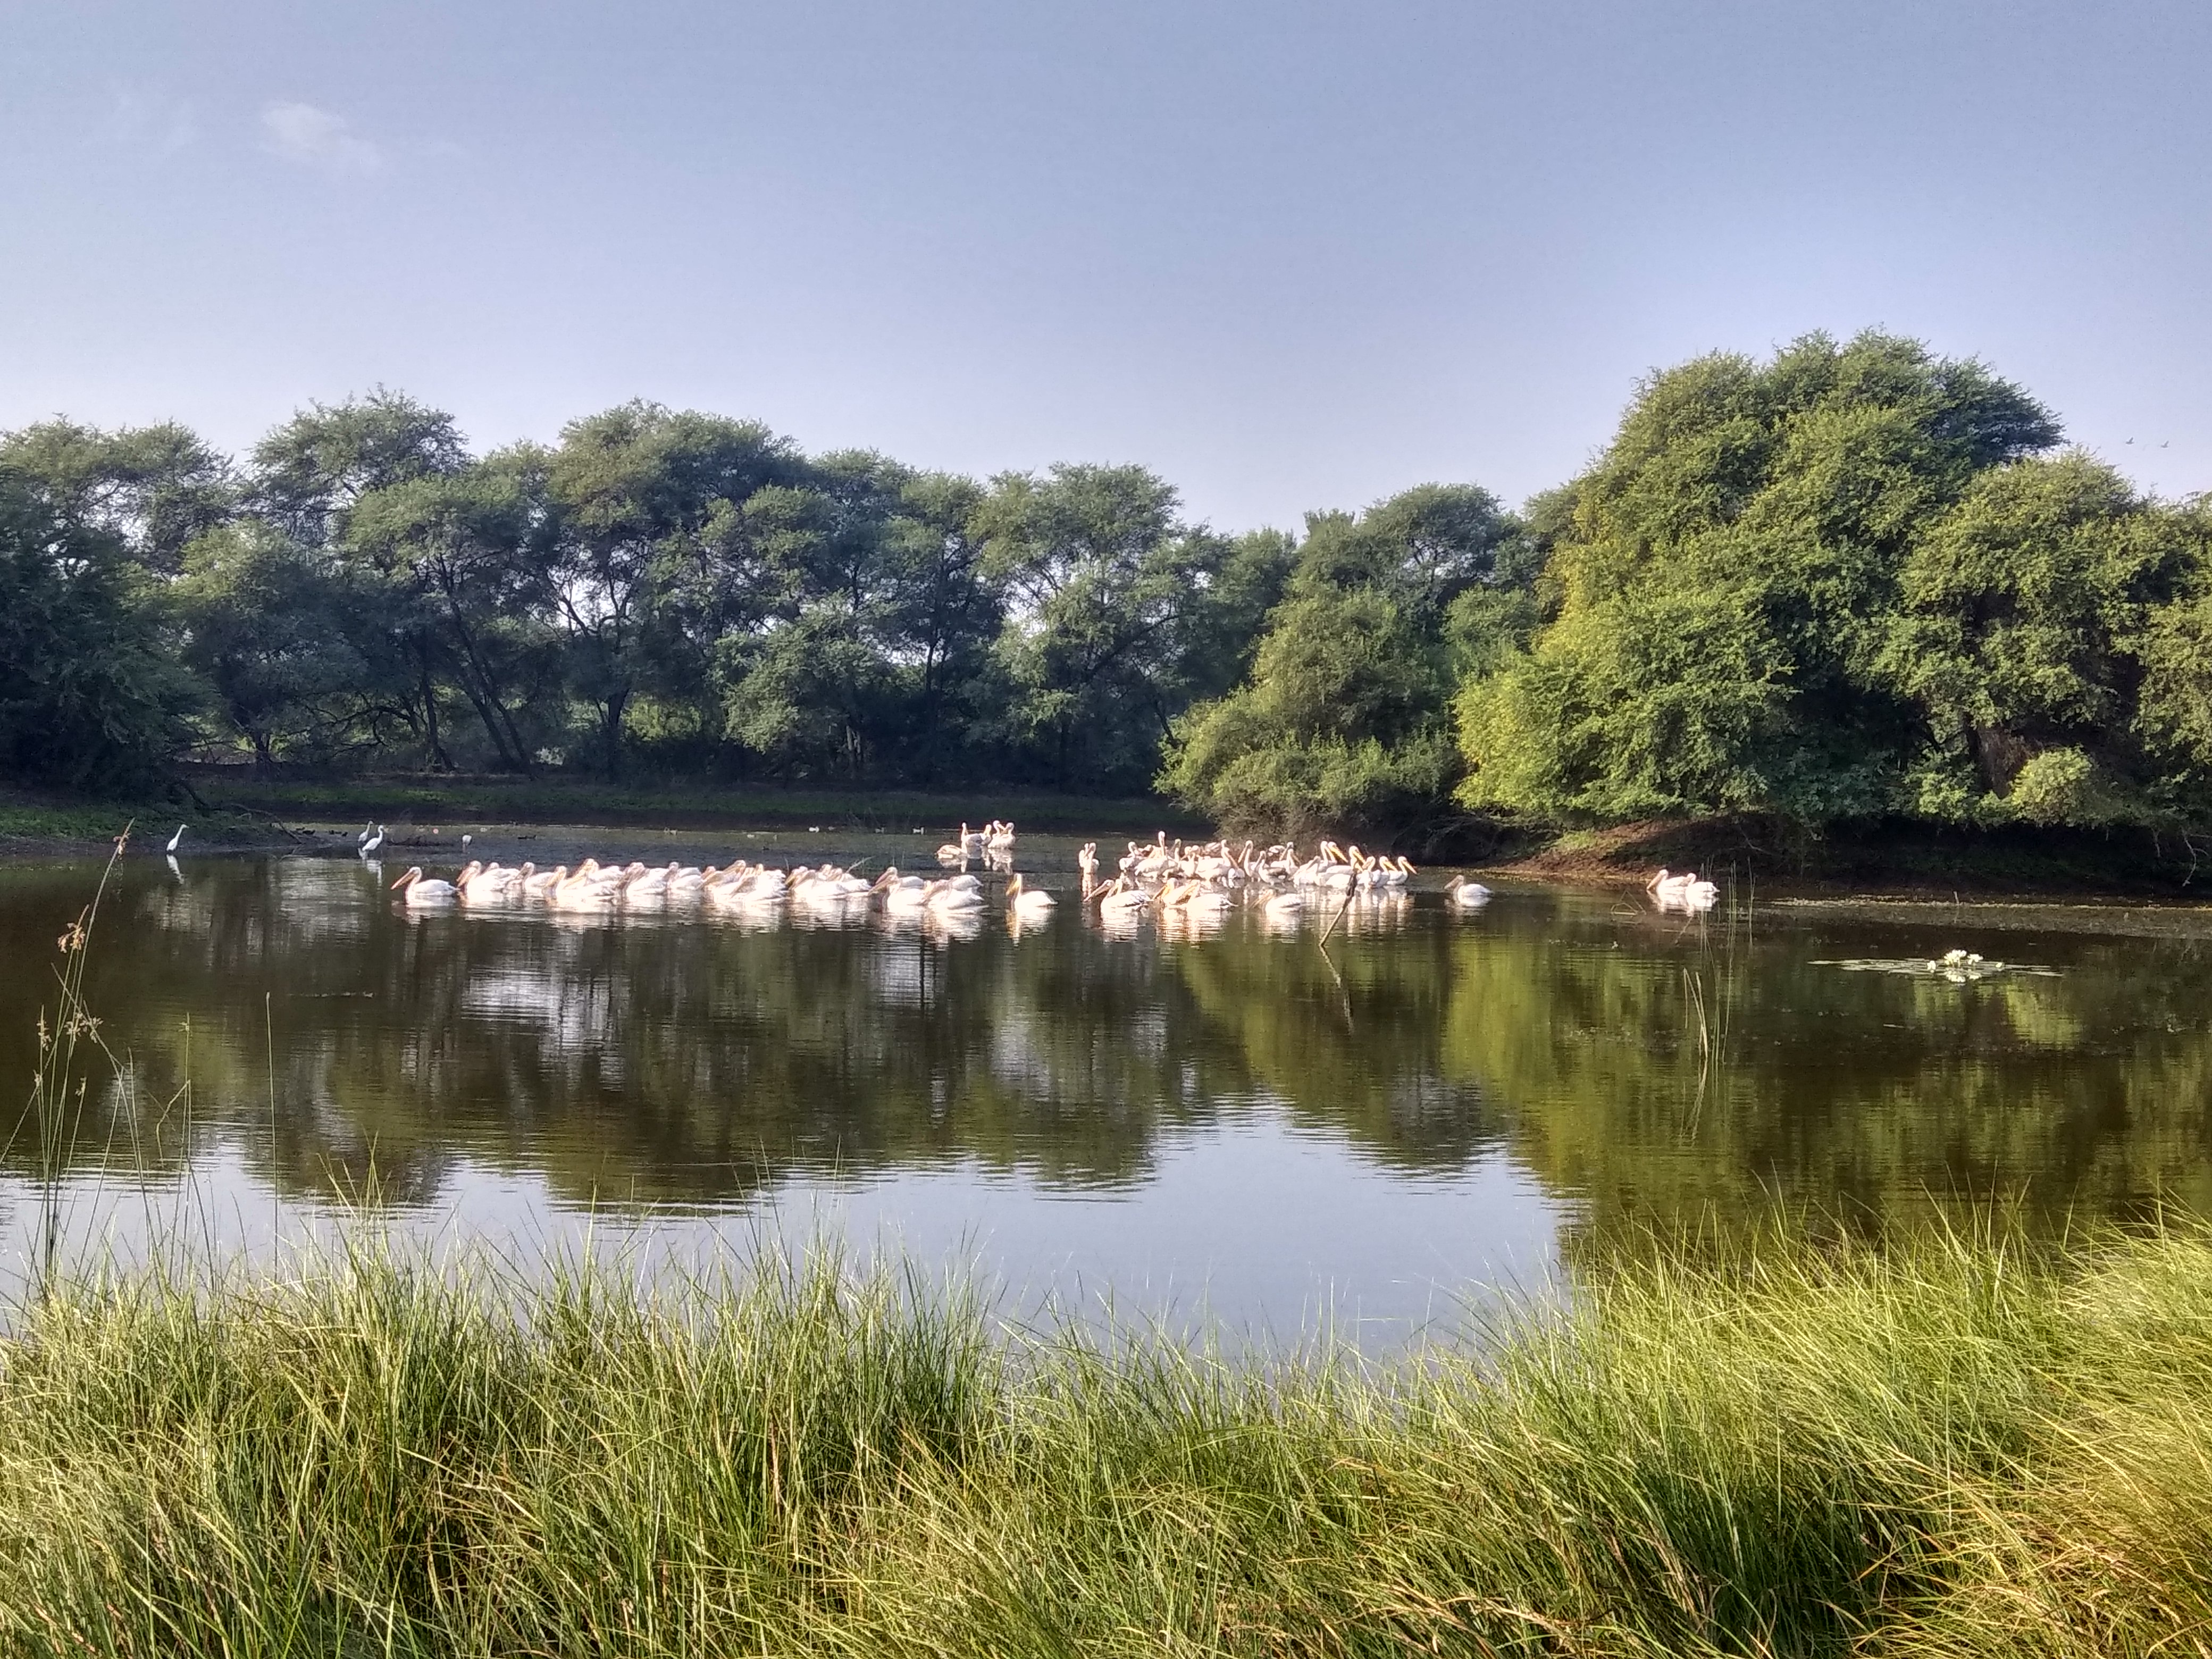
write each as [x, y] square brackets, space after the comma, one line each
[570, 800]
[39, 820]
[1946, 1449]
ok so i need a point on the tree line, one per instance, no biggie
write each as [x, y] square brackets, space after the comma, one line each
[1854, 581]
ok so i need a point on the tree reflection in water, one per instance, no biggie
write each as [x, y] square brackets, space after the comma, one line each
[1655, 1071]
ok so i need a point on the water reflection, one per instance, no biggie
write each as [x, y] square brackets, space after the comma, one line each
[1639, 1067]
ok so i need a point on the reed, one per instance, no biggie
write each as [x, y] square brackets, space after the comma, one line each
[1946, 1447]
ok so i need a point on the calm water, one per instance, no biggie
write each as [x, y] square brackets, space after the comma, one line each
[1252, 1123]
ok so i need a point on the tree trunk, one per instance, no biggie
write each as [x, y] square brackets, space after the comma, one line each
[439, 761]
[615, 706]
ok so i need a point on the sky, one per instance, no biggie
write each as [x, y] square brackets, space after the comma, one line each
[1289, 256]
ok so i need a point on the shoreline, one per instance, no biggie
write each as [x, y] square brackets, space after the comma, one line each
[1889, 865]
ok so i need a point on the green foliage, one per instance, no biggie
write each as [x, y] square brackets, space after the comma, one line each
[87, 698]
[2174, 712]
[1725, 581]
[1340, 720]
[1845, 583]
[266, 625]
[1102, 583]
[153, 489]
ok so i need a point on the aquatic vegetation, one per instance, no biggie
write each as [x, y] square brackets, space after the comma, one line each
[1949, 1449]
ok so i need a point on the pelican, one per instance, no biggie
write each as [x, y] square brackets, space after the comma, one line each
[1200, 900]
[1468, 895]
[425, 894]
[1001, 839]
[1118, 898]
[1029, 902]
[1281, 907]
[489, 884]
[955, 852]
[172, 847]
[944, 895]
[581, 889]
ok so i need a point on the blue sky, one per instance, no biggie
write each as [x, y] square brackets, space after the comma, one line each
[1289, 255]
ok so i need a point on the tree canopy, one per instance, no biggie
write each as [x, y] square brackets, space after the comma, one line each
[1855, 580]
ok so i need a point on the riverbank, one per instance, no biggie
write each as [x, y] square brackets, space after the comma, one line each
[1900, 859]
[1949, 1449]
[460, 802]
[35, 823]
[238, 811]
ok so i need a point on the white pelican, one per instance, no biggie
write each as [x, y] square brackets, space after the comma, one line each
[424, 895]
[1030, 903]
[490, 883]
[1118, 898]
[1468, 895]
[172, 847]
[1001, 839]
[581, 889]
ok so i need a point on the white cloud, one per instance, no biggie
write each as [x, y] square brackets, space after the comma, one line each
[316, 138]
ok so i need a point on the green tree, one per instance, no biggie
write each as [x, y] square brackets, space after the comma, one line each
[1341, 722]
[467, 557]
[648, 502]
[272, 628]
[2021, 614]
[88, 699]
[153, 489]
[1103, 582]
[1721, 589]
[943, 616]
[308, 472]
[306, 477]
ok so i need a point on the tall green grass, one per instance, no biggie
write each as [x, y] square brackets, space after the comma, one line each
[1943, 1449]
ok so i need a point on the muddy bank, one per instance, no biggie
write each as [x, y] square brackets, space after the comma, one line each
[1895, 859]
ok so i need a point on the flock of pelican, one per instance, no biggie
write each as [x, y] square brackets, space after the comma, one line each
[593, 888]
[1193, 883]
[1211, 878]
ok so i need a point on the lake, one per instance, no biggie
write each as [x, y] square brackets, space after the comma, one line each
[1373, 1119]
